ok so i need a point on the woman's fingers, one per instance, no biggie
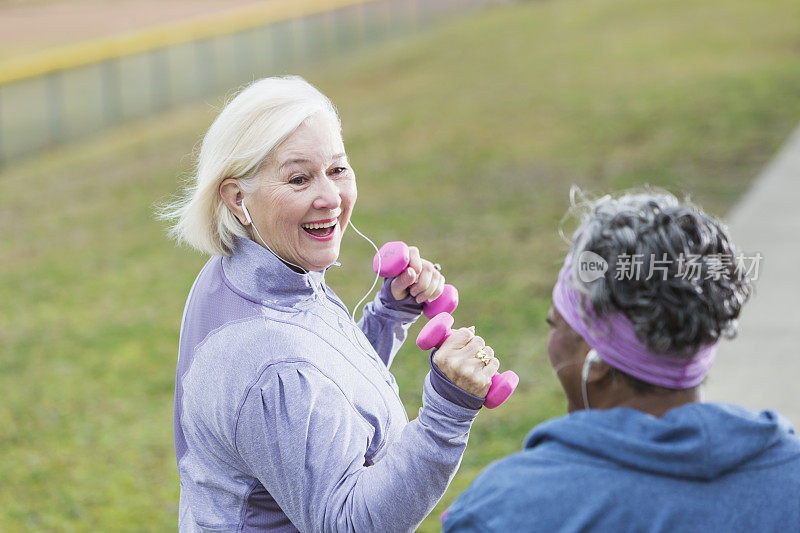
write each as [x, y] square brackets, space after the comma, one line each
[438, 290]
[429, 285]
[493, 366]
[486, 371]
[458, 338]
[414, 259]
[401, 283]
[434, 287]
[418, 289]
[475, 345]
[458, 359]
[420, 280]
[495, 361]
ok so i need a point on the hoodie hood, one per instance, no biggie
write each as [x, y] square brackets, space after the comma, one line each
[695, 441]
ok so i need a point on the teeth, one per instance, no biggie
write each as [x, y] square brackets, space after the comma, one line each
[320, 226]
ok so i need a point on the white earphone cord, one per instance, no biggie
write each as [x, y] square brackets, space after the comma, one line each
[377, 275]
[591, 358]
[250, 220]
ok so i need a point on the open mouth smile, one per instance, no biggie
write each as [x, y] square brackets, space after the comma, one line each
[321, 230]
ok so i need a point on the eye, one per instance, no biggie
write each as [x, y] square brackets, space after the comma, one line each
[338, 170]
[298, 179]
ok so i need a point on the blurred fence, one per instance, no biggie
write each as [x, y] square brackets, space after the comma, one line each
[97, 85]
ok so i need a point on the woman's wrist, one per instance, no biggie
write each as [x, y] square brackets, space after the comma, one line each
[450, 391]
[406, 305]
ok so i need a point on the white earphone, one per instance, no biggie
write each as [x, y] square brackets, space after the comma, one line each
[250, 221]
[591, 358]
[246, 214]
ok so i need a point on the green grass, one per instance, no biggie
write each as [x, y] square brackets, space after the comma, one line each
[465, 140]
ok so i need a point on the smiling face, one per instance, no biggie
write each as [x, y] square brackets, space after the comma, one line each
[305, 196]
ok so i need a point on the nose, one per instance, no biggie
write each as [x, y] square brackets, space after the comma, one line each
[328, 195]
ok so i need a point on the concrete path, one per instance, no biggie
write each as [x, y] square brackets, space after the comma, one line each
[761, 368]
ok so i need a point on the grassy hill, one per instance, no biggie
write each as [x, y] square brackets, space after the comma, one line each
[465, 140]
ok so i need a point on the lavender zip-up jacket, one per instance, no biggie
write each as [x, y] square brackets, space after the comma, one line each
[286, 415]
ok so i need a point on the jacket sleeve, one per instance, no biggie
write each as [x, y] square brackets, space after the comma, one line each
[306, 443]
[386, 321]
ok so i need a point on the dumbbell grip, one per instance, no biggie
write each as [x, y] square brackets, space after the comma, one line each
[393, 259]
[438, 330]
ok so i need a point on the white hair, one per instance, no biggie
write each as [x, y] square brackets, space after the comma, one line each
[244, 135]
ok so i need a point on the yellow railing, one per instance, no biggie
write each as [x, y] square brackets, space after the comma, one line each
[62, 94]
[94, 51]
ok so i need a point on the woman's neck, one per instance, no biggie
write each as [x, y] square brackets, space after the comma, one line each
[655, 403]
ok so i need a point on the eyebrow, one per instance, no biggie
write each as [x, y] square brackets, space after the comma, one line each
[292, 161]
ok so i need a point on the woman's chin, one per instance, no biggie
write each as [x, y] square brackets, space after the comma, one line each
[322, 260]
[317, 254]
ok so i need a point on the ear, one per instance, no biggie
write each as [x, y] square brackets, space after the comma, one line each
[232, 196]
[598, 370]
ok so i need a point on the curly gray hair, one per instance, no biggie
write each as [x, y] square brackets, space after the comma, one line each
[671, 312]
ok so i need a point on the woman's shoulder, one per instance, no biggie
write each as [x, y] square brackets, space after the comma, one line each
[236, 358]
[248, 344]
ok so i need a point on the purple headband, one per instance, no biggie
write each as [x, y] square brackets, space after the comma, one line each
[614, 339]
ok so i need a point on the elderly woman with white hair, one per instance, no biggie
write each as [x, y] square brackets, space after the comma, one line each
[286, 415]
[631, 344]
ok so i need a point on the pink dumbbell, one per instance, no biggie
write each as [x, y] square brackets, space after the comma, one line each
[436, 332]
[394, 259]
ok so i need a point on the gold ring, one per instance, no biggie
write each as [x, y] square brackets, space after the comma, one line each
[483, 356]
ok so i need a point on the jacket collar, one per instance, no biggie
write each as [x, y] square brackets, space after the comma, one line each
[260, 276]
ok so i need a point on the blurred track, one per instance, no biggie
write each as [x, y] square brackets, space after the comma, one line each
[31, 27]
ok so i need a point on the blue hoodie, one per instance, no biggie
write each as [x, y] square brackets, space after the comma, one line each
[700, 467]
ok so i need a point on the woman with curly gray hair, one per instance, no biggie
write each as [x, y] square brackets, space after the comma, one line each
[647, 290]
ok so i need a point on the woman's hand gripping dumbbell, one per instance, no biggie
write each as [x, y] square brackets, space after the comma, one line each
[438, 331]
[395, 258]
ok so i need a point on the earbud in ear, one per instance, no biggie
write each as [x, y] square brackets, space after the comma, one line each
[591, 358]
[246, 214]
